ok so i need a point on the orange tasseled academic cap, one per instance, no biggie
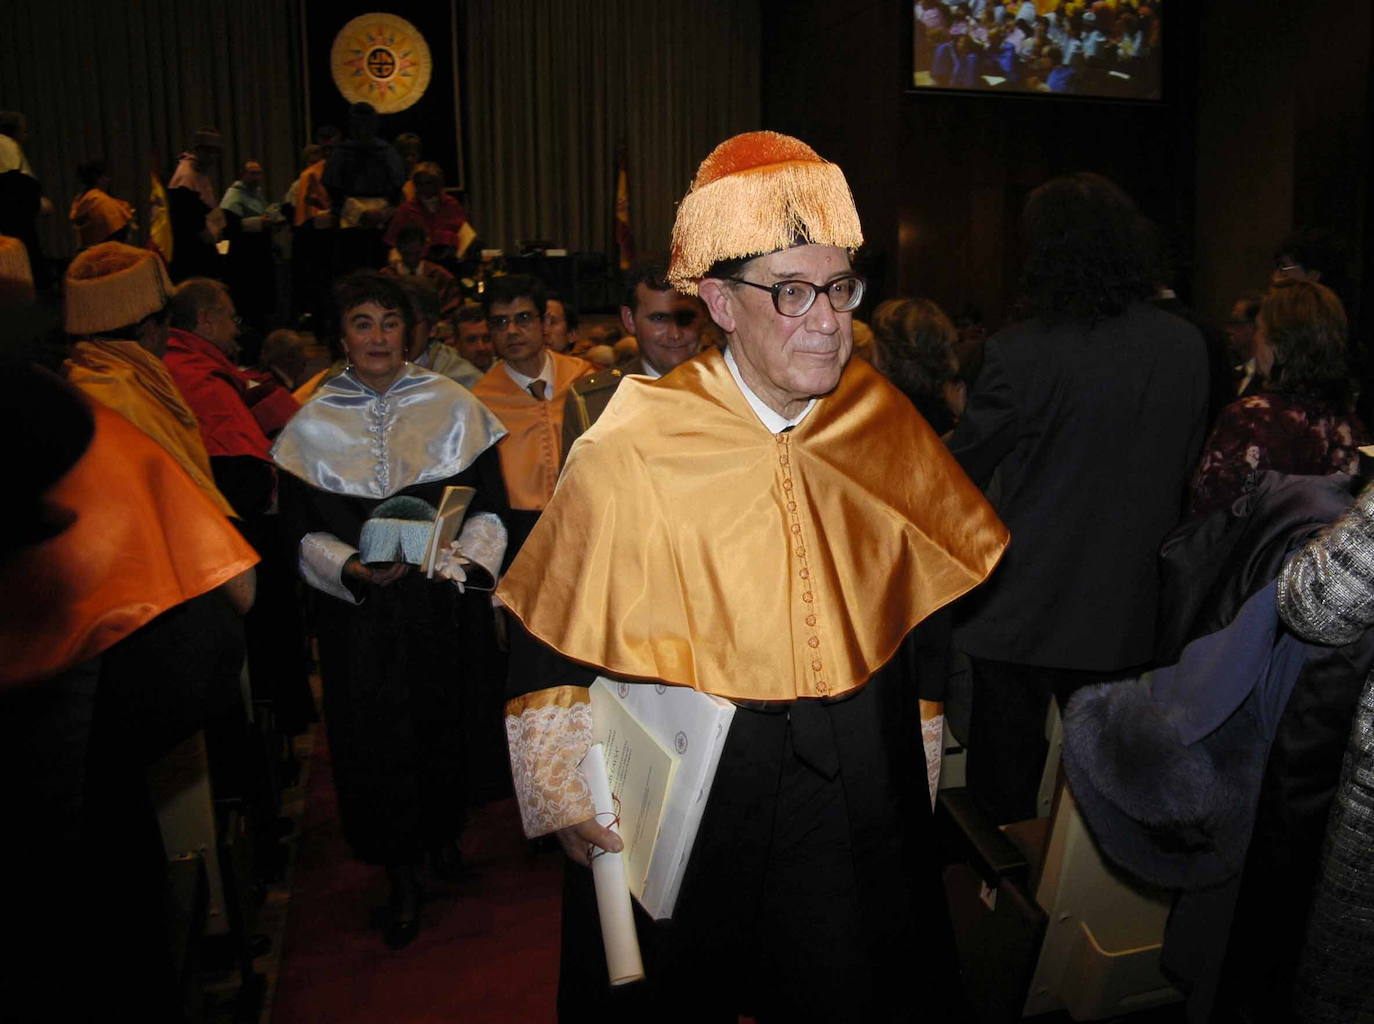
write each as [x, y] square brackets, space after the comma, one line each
[757, 193]
[111, 285]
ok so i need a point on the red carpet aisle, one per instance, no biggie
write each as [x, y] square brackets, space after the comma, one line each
[488, 949]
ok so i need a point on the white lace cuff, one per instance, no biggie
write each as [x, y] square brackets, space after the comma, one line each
[549, 732]
[933, 739]
[322, 558]
[483, 541]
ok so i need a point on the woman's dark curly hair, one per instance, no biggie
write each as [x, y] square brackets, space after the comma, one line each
[1091, 254]
[1305, 324]
[915, 342]
[363, 286]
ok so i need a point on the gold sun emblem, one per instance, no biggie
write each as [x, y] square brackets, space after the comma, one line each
[380, 59]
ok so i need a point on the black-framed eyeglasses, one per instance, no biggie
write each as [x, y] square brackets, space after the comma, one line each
[794, 298]
[522, 319]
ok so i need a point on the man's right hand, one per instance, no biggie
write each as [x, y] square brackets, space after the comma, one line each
[576, 838]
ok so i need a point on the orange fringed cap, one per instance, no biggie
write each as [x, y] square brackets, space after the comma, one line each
[112, 285]
[757, 193]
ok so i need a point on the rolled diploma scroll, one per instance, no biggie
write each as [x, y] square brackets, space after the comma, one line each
[612, 891]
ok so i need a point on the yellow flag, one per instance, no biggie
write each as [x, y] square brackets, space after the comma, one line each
[159, 220]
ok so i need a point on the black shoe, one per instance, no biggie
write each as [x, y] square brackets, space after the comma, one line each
[400, 932]
[403, 910]
[282, 829]
[289, 771]
[447, 864]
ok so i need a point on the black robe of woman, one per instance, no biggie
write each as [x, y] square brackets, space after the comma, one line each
[412, 681]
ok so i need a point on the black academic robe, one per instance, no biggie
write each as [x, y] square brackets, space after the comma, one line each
[192, 255]
[411, 681]
[250, 272]
[813, 890]
[21, 197]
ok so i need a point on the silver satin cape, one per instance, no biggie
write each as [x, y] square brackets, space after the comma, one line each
[349, 439]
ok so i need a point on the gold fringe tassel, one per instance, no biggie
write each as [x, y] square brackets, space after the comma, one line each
[761, 210]
[112, 285]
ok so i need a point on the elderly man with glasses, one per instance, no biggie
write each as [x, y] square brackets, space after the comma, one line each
[774, 525]
[526, 390]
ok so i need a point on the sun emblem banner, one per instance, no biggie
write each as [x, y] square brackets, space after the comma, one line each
[380, 59]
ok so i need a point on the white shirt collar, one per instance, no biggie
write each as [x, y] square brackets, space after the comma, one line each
[649, 370]
[545, 374]
[775, 422]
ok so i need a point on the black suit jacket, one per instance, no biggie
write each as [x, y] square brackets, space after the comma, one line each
[1091, 433]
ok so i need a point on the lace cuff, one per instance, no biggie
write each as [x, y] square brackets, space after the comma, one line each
[933, 739]
[322, 558]
[549, 732]
[483, 541]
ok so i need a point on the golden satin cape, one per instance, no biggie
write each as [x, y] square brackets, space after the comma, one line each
[126, 377]
[307, 390]
[145, 539]
[97, 215]
[311, 196]
[688, 544]
[532, 450]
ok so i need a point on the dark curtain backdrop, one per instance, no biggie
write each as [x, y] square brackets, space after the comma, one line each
[133, 79]
[555, 86]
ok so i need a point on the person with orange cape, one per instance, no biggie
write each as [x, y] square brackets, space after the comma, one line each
[97, 216]
[116, 306]
[121, 587]
[777, 526]
[527, 390]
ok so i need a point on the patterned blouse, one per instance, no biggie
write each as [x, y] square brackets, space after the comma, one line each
[1285, 433]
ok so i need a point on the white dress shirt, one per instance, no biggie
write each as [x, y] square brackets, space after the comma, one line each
[774, 421]
[545, 374]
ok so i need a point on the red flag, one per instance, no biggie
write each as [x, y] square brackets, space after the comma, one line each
[624, 237]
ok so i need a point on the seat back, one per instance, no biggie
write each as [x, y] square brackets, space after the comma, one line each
[1100, 956]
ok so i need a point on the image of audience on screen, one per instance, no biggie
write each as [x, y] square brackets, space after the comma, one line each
[1103, 48]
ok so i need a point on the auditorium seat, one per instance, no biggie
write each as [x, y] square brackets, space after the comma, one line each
[1041, 922]
[1100, 956]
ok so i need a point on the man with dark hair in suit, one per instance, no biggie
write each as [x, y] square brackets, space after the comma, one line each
[526, 391]
[1089, 415]
[472, 337]
[667, 325]
[560, 323]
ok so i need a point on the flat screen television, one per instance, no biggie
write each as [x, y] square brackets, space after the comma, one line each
[1108, 49]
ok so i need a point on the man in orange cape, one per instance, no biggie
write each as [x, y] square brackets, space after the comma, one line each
[142, 539]
[121, 587]
[96, 215]
[777, 526]
[116, 301]
[527, 391]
